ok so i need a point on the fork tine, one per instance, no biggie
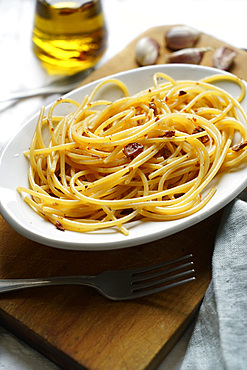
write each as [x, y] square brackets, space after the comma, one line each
[151, 283]
[159, 272]
[143, 293]
[153, 279]
[160, 265]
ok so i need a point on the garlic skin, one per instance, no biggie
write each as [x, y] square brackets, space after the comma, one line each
[188, 55]
[180, 37]
[147, 51]
[223, 58]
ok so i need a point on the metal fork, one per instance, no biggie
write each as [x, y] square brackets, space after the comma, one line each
[119, 284]
[60, 85]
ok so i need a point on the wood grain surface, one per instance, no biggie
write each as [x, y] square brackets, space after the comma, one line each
[75, 326]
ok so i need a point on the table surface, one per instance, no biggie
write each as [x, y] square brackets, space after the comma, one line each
[223, 19]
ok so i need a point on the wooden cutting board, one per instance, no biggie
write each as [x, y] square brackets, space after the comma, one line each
[75, 326]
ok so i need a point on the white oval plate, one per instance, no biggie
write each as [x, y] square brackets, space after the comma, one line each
[14, 167]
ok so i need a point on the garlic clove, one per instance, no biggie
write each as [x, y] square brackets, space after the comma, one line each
[180, 37]
[188, 55]
[223, 58]
[147, 51]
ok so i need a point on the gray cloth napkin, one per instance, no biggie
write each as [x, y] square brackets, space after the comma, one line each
[219, 339]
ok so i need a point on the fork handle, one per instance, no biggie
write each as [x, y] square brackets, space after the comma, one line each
[46, 90]
[7, 285]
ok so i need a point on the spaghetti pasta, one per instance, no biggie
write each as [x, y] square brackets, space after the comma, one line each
[150, 155]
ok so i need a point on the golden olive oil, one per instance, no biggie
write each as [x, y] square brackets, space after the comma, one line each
[69, 36]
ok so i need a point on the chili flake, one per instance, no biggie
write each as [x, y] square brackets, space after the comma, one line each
[153, 106]
[165, 152]
[181, 93]
[203, 139]
[240, 146]
[169, 133]
[132, 150]
[59, 226]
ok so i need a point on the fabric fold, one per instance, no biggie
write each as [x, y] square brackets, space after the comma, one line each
[219, 339]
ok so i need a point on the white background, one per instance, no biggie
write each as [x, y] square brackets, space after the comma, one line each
[126, 19]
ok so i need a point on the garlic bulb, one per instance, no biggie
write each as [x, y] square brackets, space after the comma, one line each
[223, 58]
[147, 51]
[180, 37]
[188, 55]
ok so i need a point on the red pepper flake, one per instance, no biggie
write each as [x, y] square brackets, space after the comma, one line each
[165, 153]
[169, 133]
[181, 93]
[240, 146]
[198, 129]
[59, 226]
[203, 139]
[153, 106]
[132, 150]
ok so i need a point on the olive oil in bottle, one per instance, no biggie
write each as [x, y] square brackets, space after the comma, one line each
[69, 36]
